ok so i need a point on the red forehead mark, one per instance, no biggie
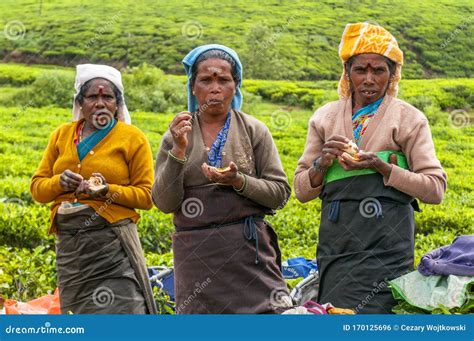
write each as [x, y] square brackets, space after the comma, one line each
[101, 90]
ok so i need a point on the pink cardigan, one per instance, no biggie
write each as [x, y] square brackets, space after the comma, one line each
[396, 126]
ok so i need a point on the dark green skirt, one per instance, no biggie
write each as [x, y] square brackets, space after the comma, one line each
[100, 266]
[366, 238]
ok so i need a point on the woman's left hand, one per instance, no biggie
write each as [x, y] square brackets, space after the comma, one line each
[367, 160]
[230, 177]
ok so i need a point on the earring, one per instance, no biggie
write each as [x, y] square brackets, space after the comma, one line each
[80, 108]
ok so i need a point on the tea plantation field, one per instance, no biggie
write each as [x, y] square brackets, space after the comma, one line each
[30, 111]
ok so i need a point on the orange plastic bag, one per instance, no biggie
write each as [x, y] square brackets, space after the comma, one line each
[48, 304]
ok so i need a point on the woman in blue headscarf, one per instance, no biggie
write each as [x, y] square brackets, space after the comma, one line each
[218, 171]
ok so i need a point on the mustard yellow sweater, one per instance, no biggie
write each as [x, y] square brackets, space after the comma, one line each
[123, 157]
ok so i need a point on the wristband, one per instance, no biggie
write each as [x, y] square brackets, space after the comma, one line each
[182, 161]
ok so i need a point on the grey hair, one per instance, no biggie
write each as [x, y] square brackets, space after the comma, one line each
[86, 86]
[216, 54]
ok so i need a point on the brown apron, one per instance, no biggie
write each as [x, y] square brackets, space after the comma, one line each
[226, 257]
[100, 266]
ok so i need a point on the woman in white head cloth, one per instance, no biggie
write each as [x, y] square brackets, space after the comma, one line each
[97, 170]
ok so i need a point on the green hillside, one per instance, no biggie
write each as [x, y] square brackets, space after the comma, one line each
[276, 39]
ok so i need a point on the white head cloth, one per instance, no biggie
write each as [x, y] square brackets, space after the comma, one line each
[86, 72]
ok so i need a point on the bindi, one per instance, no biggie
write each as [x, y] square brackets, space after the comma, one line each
[215, 70]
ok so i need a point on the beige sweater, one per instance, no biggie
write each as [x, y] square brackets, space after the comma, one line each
[396, 126]
[249, 145]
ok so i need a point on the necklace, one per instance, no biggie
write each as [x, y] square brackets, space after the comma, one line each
[202, 136]
[208, 148]
[81, 132]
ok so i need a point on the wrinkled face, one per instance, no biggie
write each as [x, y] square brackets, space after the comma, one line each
[214, 86]
[99, 105]
[369, 76]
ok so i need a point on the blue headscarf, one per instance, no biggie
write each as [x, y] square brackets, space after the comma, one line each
[188, 63]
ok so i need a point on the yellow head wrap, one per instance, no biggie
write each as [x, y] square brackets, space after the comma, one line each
[362, 38]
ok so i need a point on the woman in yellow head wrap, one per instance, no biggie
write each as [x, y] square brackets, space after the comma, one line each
[368, 156]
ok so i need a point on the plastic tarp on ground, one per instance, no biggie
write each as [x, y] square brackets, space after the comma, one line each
[48, 304]
[429, 292]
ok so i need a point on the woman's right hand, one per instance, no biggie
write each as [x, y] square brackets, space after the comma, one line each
[333, 148]
[69, 181]
[180, 126]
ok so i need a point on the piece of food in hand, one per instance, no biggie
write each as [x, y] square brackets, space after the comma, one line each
[352, 150]
[223, 170]
[220, 170]
[340, 311]
[96, 184]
